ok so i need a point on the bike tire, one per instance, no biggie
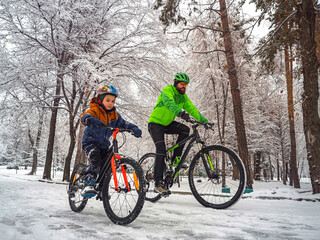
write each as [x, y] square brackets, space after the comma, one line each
[223, 191]
[76, 201]
[123, 207]
[147, 163]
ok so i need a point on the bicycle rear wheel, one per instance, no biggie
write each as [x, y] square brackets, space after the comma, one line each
[125, 204]
[76, 201]
[147, 163]
[227, 184]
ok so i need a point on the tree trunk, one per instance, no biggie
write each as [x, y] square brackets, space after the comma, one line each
[270, 169]
[37, 143]
[80, 156]
[257, 165]
[235, 92]
[278, 170]
[286, 172]
[66, 172]
[221, 118]
[311, 121]
[73, 125]
[294, 179]
[282, 144]
[53, 121]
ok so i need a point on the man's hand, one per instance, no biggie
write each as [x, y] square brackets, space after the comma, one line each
[184, 115]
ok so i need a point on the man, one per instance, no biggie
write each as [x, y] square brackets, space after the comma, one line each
[170, 103]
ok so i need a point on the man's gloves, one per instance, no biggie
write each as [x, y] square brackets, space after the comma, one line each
[184, 115]
[136, 132]
[91, 121]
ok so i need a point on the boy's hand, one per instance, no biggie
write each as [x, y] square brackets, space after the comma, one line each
[136, 132]
[91, 121]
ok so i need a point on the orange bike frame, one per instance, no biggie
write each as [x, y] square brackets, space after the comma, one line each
[113, 166]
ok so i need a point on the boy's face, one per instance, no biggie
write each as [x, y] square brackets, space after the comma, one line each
[108, 101]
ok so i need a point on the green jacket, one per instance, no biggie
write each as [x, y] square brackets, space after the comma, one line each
[170, 103]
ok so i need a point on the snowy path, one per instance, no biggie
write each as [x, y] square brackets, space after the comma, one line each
[37, 210]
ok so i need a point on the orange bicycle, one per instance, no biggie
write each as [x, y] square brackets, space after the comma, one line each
[120, 185]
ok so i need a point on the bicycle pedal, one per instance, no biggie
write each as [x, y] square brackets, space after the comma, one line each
[99, 196]
[71, 194]
[166, 194]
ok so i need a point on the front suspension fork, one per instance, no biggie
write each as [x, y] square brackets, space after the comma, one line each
[207, 162]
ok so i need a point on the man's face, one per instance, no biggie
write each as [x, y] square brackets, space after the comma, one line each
[181, 87]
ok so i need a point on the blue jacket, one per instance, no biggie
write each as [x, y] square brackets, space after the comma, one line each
[95, 136]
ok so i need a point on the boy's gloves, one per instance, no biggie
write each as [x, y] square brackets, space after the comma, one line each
[136, 132]
[91, 121]
[184, 115]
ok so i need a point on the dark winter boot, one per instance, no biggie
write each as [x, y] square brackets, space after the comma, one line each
[160, 187]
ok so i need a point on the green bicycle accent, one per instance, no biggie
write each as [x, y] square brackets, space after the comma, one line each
[174, 147]
[176, 161]
[210, 162]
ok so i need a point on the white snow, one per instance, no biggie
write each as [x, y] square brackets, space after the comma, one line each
[32, 209]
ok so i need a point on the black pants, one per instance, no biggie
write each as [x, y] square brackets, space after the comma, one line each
[96, 158]
[157, 132]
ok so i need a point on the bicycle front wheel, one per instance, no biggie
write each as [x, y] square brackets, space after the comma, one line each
[224, 184]
[123, 196]
[76, 201]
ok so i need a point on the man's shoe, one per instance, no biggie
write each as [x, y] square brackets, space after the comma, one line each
[160, 187]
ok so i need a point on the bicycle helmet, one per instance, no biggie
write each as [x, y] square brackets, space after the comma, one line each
[181, 77]
[107, 89]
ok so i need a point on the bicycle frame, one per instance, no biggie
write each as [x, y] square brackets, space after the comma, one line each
[111, 161]
[194, 137]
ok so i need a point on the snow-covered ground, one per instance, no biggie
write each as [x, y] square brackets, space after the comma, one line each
[31, 209]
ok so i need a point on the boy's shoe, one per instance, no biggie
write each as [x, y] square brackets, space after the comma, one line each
[160, 187]
[88, 192]
[89, 183]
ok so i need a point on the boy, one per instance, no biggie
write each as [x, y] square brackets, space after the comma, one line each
[95, 139]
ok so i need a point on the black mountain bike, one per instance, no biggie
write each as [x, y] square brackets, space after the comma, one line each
[120, 185]
[216, 174]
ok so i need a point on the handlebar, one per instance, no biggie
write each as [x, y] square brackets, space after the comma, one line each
[205, 125]
[116, 129]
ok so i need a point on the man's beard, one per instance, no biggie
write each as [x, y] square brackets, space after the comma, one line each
[181, 90]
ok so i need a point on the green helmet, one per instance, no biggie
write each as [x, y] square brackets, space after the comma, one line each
[181, 77]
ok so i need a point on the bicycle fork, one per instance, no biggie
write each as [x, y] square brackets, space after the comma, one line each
[206, 159]
[114, 162]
